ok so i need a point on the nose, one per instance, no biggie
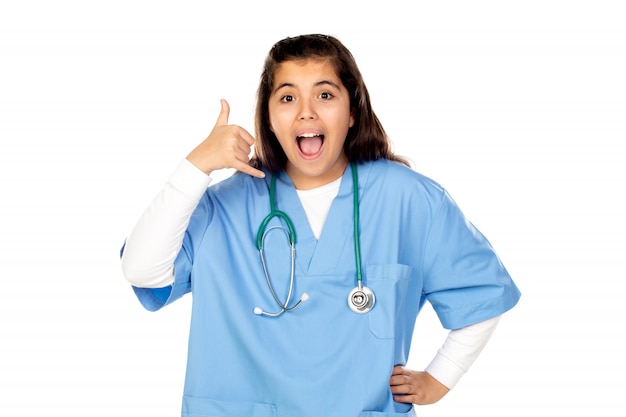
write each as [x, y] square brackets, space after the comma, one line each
[307, 111]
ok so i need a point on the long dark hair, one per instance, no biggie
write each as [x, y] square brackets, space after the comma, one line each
[366, 139]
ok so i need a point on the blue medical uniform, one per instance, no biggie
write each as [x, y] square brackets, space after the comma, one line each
[322, 359]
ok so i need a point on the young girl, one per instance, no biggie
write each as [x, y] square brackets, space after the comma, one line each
[309, 265]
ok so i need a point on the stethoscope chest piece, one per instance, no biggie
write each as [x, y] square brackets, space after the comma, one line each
[361, 300]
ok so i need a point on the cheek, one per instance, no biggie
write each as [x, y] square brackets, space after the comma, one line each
[275, 123]
[279, 126]
[276, 128]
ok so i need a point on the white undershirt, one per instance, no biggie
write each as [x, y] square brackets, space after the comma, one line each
[156, 239]
[316, 203]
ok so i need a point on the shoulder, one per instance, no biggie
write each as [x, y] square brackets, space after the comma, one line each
[238, 188]
[398, 178]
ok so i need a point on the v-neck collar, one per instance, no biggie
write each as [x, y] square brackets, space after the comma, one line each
[319, 257]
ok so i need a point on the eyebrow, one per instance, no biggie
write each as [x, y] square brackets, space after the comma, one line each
[317, 84]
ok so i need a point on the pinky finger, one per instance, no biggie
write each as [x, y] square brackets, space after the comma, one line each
[403, 399]
[247, 169]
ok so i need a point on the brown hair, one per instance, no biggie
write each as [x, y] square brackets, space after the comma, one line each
[366, 140]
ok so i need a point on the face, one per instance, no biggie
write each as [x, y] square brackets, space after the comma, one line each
[309, 111]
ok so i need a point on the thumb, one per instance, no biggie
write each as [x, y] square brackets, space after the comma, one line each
[222, 119]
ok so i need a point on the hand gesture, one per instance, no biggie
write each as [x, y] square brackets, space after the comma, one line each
[227, 146]
[415, 387]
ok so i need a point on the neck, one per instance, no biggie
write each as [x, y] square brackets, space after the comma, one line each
[304, 180]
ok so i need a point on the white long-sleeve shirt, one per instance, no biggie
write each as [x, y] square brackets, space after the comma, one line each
[156, 239]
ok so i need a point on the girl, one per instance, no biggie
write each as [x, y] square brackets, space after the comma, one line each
[309, 265]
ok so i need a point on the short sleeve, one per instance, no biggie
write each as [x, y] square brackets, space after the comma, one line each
[464, 279]
[153, 299]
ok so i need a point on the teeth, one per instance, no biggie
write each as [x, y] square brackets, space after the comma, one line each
[308, 135]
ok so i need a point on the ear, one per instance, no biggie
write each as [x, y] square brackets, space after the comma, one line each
[352, 118]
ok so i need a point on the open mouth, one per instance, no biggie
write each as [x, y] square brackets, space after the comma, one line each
[310, 144]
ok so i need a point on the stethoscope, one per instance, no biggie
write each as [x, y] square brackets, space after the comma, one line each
[360, 300]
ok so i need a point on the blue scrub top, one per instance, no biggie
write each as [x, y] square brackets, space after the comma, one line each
[323, 359]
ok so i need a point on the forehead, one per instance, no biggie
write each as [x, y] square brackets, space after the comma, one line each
[301, 72]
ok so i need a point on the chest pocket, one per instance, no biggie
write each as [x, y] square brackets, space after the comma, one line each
[389, 284]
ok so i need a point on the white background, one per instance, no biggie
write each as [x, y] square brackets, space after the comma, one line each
[517, 107]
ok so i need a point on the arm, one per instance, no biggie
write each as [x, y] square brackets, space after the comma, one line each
[454, 358]
[152, 246]
[156, 239]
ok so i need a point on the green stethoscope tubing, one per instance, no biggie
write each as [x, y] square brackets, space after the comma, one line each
[274, 213]
[361, 299]
[357, 237]
[291, 236]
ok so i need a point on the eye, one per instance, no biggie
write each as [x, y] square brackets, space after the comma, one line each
[286, 98]
[326, 96]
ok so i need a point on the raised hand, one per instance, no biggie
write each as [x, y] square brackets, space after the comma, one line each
[227, 146]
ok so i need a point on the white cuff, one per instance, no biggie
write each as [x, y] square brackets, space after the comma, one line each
[460, 350]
